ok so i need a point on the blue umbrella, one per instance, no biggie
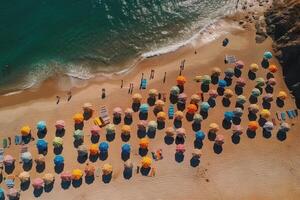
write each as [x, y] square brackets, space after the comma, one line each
[126, 148]
[41, 125]
[200, 135]
[268, 55]
[228, 115]
[144, 108]
[42, 145]
[204, 106]
[1, 193]
[59, 160]
[222, 83]
[103, 147]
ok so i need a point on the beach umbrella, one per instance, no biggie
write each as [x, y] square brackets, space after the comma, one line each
[265, 113]
[198, 118]
[229, 72]
[87, 107]
[78, 118]
[255, 92]
[239, 64]
[268, 126]
[66, 176]
[253, 125]
[178, 115]
[2, 194]
[199, 135]
[213, 93]
[153, 93]
[228, 93]
[144, 108]
[78, 134]
[180, 148]
[89, 169]
[180, 132]
[195, 98]
[95, 130]
[137, 98]
[40, 160]
[228, 116]
[271, 81]
[170, 131]
[254, 108]
[77, 174]
[161, 116]
[57, 142]
[8, 160]
[268, 97]
[110, 129]
[159, 103]
[191, 108]
[128, 112]
[204, 106]
[13, 193]
[206, 80]
[197, 153]
[285, 127]
[144, 143]
[152, 125]
[59, 160]
[237, 129]
[197, 78]
[24, 177]
[60, 124]
[222, 83]
[240, 82]
[260, 82]
[182, 97]
[117, 112]
[213, 127]
[238, 112]
[146, 162]
[107, 169]
[282, 95]
[94, 149]
[128, 164]
[26, 157]
[175, 90]
[216, 71]
[103, 147]
[142, 125]
[41, 126]
[25, 130]
[254, 67]
[268, 55]
[41, 145]
[125, 129]
[219, 139]
[273, 68]
[82, 150]
[126, 148]
[241, 99]
[38, 183]
[48, 178]
[181, 80]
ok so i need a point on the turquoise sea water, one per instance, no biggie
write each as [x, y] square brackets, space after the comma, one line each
[39, 38]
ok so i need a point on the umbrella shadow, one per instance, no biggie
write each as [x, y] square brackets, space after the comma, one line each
[226, 124]
[220, 91]
[117, 120]
[179, 157]
[189, 117]
[42, 133]
[161, 125]
[235, 138]
[145, 171]
[58, 150]
[239, 105]
[269, 75]
[261, 121]
[179, 140]
[77, 183]
[103, 155]
[127, 173]
[211, 136]
[25, 185]
[204, 87]
[106, 178]
[141, 133]
[151, 134]
[236, 120]
[168, 140]
[181, 88]
[252, 116]
[251, 134]
[87, 115]
[279, 103]
[228, 81]
[89, 179]
[125, 138]
[43, 151]
[65, 184]
[198, 144]
[181, 105]
[128, 120]
[281, 135]
[135, 106]
[95, 139]
[77, 143]
[238, 90]
[266, 105]
[37, 192]
[59, 168]
[143, 152]
[214, 79]
[39, 168]
[204, 114]
[218, 148]
[251, 75]
[173, 99]
[269, 89]
[48, 187]
[78, 126]
[82, 159]
[177, 123]
[265, 63]
[226, 102]
[125, 156]
[26, 139]
[93, 158]
[212, 102]
[27, 166]
[253, 99]
[110, 137]
[260, 89]
[196, 126]
[237, 72]
[9, 168]
[267, 134]
[143, 116]
[60, 132]
[195, 161]
[151, 101]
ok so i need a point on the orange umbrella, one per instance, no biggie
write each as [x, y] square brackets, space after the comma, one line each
[253, 125]
[161, 116]
[89, 169]
[282, 95]
[25, 130]
[273, 68]
[78, 118]
[191, 108]
[93, 149]
[181, 80]
[144, 143]
[107, 169]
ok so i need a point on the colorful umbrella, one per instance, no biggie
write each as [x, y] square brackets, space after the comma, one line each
[77, 174]
[78, 134]
[41, 145]
[78, 118]
[38, 183]
[253, 125]
[204, 106]
[146, 162]
[254, 67]
[200, 135]
[137, 98]
[239, 64]
[180, 148]
[255, 92]
[181, 80]
[219, 139]
[59, 160]
[282, 95]
[103, 147]
[25, 130]
[60, 124]
[107, 169]
[57, 142]
[144, 143]
[241, 99]
[41, 126]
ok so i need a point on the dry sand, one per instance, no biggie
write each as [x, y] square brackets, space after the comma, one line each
[257, 168]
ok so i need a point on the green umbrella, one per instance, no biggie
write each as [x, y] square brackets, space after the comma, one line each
[78, 134]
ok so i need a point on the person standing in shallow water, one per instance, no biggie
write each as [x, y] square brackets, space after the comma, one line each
[103, 93]
[122, 83]
[57, 99]
[69, 95]
[165, 76]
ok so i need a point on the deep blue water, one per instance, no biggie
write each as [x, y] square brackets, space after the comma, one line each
[39, 38]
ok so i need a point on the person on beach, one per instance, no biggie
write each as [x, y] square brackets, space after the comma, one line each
[103, 93]
[69, 95]
[202, 96]
[122, 82]
[182, 65]
[9, 141]
[165, 76]
[159, 95]
[138, 169]
[57, 99]
[131, 88]
[195, 52]
[152, 74]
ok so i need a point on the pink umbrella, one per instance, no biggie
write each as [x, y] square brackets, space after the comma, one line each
[38, 183]
[128, 112]
[272, 81]
[8, 160]
[117, 111]
[239, 64]
[237, 129]
[142, 125]
[180, 148]
[60, 124]
[213, 93]
[95, 130]
[180, 132]
[219, 139]
[241, 82]
[66, 176]
[182, 97]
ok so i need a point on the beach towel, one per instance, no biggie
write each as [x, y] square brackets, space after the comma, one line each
[1, 156]
[283, 116]
[10, 182]
[104, 116]
[98, 122]
[274, 121]
[143, 83]
[294, 113]
[171, 111]
[23, 148]
[278, 116]
[290, 114]
[229, 59]
[18, 139]
[5, 143]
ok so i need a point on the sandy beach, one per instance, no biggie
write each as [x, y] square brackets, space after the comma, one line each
[255, 168]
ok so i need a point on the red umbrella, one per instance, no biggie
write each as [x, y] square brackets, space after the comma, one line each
[180, 148]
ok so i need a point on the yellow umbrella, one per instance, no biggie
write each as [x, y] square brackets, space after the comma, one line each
[161, 116]
[107, 169]
[216, 71]
[137, 97]
[77, 174]
[228, 93]
[126, 129]
[78, 118]
[282, 95]
[24, 176]
[265, 113]
[179, 115]
[254, 67]
[146, 162]
[213, 127]
[25, 130]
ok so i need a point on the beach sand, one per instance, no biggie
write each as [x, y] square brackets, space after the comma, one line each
[257, 168]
